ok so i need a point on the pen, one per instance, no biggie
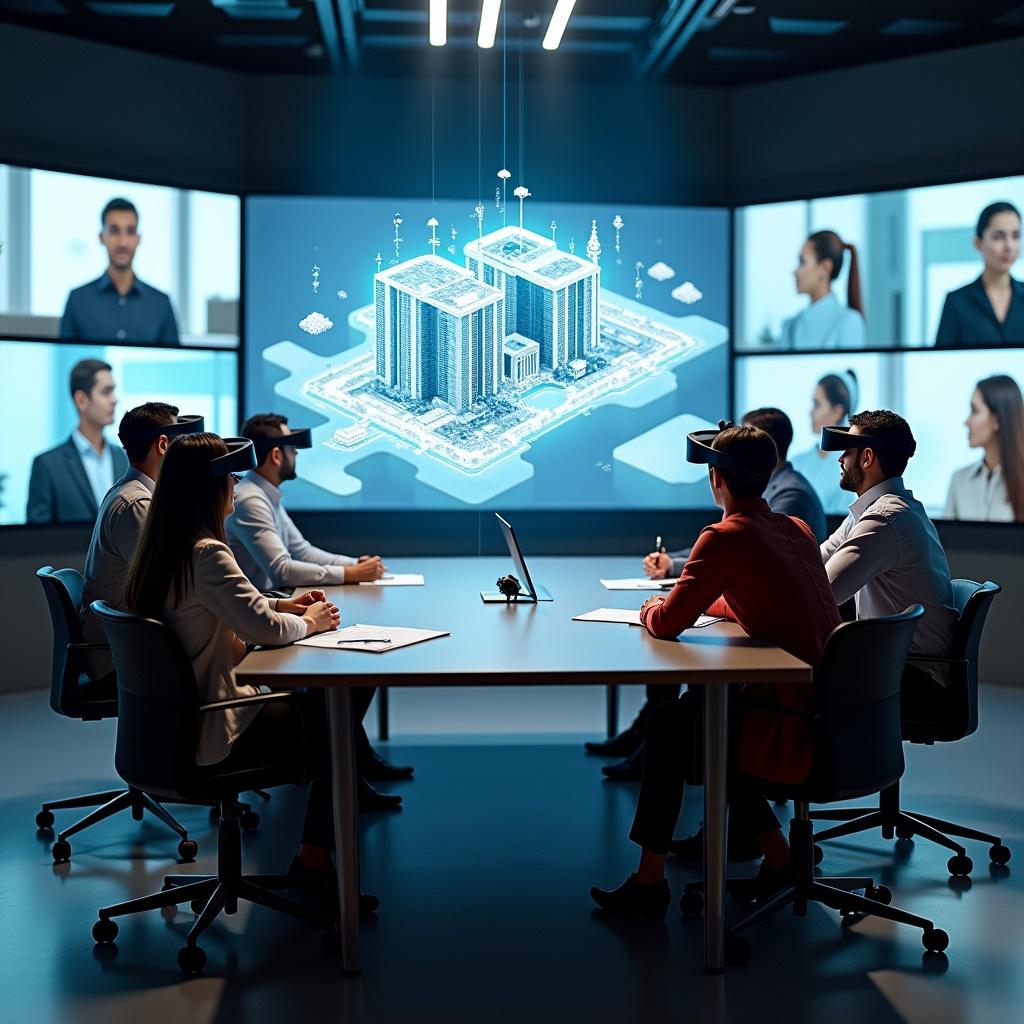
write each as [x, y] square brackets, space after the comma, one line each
[658, 546]
[366, 640]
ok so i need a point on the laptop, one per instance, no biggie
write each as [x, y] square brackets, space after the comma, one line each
[529, 591]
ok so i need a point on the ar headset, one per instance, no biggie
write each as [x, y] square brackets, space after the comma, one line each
[240, 458]
[700, 453]
[296, 439]
[839, 439]
[181, 425]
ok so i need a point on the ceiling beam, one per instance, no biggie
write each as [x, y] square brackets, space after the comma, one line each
[675, 29]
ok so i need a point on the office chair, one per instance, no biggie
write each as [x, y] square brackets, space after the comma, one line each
[959, 718]
[74, 695]
[157, 730]
[857, 750]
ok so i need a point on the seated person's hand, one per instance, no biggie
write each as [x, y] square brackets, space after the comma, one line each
[320, 617]
[367, 569]
[656, 599]
[298, 605]
[310, 597]
[657, 565]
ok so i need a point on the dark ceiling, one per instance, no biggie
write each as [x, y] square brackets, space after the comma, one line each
[705, 42]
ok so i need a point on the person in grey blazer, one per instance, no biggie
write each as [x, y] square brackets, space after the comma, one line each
[790, 493]
[68, 482]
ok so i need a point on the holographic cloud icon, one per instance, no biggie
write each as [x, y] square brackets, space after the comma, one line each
[687, 293]
[316, 323]
[661, 272]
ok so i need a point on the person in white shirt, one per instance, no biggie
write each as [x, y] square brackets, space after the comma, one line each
[184, 574]
[274, 555]
[992, 489]
[145, 432]
[887, 555]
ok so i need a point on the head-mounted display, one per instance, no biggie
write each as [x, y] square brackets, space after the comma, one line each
[700, 452]
[296, 439]
[240, 457]
[181, 425]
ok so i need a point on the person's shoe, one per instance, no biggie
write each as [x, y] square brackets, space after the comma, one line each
[622, 745]
[765, 884]
[376, 769]
[691, 849]
[631, 899]
[371, 799]
[630, 769]
[323, 887]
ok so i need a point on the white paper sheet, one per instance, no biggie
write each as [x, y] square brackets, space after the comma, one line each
[398, 579]
[640, 583]
[381, 638]
[629, 616]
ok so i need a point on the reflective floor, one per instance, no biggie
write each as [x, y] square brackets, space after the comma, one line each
[483, 878]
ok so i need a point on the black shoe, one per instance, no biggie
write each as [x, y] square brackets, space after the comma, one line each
[691, 849]
[622, 745]
[375, 769]
[631, 769]
[765, 884]
[371, 799]
[323, 887]
[631, 899]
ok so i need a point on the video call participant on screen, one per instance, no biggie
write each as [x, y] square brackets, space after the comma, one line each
[825, 323]
[787, 493]
[274, 554]
[117, 306]
[992, 490]
[989, 310]
[763, 570]
[183, 573]
[68, 482]
[887, 554]
[834, 398]
[145, 432]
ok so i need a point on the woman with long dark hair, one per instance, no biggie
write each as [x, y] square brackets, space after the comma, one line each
[825, 323]
[992, 489]
[834, 398]
[184, 574]
[989, 310]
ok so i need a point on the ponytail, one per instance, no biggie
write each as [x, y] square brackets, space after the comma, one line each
[854, 298]
[829, 246]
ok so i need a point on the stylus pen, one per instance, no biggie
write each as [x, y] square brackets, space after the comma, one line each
[366, 640]
[658, 546]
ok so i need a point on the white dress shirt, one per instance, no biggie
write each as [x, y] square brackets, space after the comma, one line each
[114, 537]
[977, 493]
[221, 608]
[888, 556]
[268, 545]
[98, 466]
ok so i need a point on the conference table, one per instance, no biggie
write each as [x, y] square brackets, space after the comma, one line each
[521, 644]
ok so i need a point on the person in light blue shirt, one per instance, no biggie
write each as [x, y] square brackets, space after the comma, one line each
[825, 323]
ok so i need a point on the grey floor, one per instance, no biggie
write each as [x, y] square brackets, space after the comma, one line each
[483, 878]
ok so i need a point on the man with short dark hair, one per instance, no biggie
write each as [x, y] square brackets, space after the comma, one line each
[68, 482]
[739, 568]
[117, 306]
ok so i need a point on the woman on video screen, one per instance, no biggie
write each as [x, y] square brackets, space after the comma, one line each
[834, 398]
[989, 310]
[993, 489]
[825, 323]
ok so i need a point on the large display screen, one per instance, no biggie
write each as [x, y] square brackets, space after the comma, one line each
[95, 259]
[964, 408]
[509, 354]
[887, 269]
[59, 450]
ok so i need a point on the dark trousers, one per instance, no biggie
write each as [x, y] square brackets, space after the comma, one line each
[922, 697]
[673, 752]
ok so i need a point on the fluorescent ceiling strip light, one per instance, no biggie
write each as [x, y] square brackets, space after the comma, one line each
[438, 22]
[488, 24]
[557, 24]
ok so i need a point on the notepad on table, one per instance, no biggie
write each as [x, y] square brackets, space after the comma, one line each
[376, 639]
[707, 620]
[640, 583]
[397, 579]
[628, 616]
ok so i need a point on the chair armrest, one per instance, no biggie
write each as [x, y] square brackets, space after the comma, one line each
[241, 702]
[96, 645]
[774, 709]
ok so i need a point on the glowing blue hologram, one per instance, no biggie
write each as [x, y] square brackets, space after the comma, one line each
[316, 323]
[572, 244]
[617, 223]
[661, 272]
[593, 244]
[521, 193]
[316, 279]
[554, 229]
[398, 240]
[378, 259]
[638, 284]
[454, 234]
[433, 241]
[501, 194]
[687, 293]
[659, 451]
[342, 294]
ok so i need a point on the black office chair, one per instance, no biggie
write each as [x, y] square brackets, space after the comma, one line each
[857, 750]
[157, 730]
[956, 719]
[74, 694]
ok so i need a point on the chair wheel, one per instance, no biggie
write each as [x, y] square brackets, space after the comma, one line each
[250, 821]
[960, 864]
[104, 930]
[935, 940]
[999, 854]
[737, 949]
[44, 819]
[819, 854]
[904, 832]
[187, 850]
[61, 851]
[879, 893]
[691, 903]
[191, 959]
[170, 912]
[332, 942]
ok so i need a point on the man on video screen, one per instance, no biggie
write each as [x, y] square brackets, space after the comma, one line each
[117, 306]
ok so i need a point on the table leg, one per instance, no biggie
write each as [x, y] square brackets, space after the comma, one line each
[612, 717]
[716, 820]
[346, 822]
[383, 718]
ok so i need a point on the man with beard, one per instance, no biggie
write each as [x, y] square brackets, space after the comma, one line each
[887, 554]
[273, 554]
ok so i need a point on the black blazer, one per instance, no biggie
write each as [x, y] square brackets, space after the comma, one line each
[58, 489]
[968, 318]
